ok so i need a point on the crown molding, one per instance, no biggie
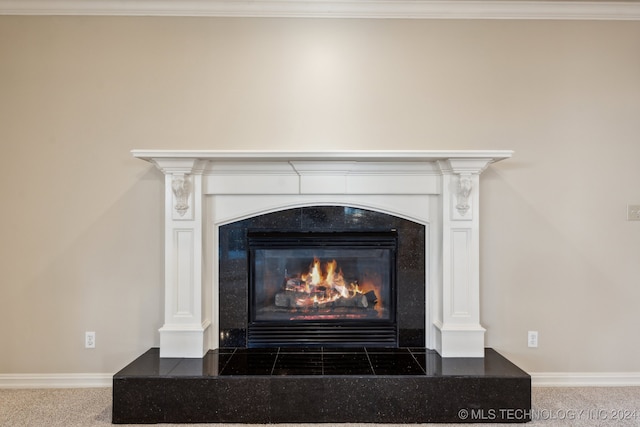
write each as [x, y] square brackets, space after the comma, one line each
[405, 9]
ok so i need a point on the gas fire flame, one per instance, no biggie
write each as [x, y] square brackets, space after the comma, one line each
[325, 284]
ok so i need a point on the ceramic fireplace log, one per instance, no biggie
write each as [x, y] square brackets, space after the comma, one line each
[289, 299]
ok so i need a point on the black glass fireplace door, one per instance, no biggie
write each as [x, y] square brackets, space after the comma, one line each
[322, 289]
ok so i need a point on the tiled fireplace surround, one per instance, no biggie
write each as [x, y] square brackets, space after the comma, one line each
[206, 191]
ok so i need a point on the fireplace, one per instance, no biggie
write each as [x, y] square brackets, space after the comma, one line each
[322, 289]
[208, 192]
[336, 282]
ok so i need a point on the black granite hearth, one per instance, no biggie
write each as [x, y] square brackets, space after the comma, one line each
[321, 385]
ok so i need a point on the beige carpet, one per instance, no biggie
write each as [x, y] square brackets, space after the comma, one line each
[588, 406]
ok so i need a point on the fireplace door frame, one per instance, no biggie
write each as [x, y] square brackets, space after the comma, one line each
[330, 333]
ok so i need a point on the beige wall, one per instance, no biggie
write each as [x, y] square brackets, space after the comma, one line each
[81, 227]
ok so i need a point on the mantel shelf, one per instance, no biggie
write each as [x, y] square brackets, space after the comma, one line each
[341, 155]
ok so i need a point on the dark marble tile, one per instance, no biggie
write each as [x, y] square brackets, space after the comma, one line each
[355, 363]
[190, 368]
[298, 364]
[463, 366]
[284, 350]
[351, 400]
[188, 402]
[450, 394]
[242, 400]
[497, 365]
[342, 350]
[232, 242]
[233, 338]
[395, 364]
[400, 399]
[216, 360]
[322, 218]
[150, 364]
[260, 350]
[388, 350]
[375, 400]
[411, 337]
[297, 399]
[250, 363]
[286, 219]
[223, 350]
[429, 360]
[138, 400]
[233, 293]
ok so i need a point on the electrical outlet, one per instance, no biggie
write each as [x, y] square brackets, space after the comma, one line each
[633, 212]
[89, 340]
[532, 339]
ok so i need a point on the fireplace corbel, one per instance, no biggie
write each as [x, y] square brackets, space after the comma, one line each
[205, 189]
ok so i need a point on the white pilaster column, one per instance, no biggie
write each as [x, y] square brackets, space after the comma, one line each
[184, 333]
[459, 333]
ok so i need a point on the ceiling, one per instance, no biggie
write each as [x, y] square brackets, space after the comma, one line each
[407, 9]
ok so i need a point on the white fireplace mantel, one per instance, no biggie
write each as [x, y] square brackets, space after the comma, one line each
[206, 189]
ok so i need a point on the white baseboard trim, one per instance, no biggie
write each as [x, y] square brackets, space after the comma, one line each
[538, 379]
[55, 380]
[585, 379]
